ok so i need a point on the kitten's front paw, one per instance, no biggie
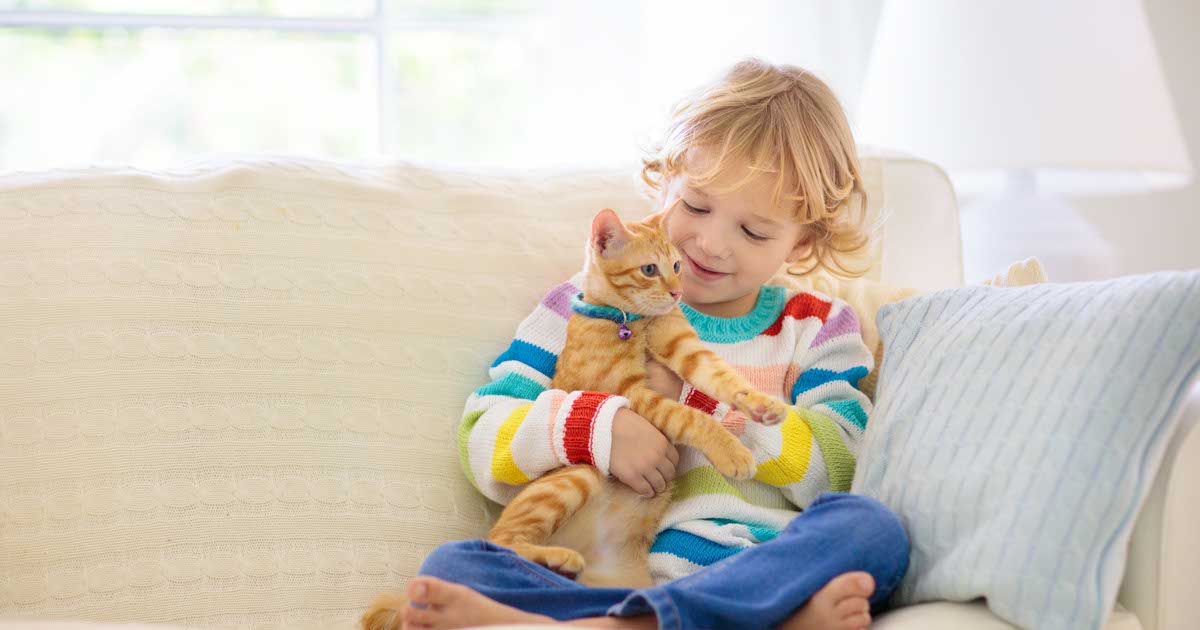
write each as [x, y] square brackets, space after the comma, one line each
[733, 460]
[760, 407]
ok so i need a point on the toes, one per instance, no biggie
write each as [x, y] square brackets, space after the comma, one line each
[419, 617]
[850, 607]
[856, 622]
[853, 584]
[418, 590]
[865, 583]
[430, 590]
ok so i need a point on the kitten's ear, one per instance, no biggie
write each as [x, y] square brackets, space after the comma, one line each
[655, 220]
[608, 233]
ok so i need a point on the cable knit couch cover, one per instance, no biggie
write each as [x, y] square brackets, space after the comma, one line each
[229, 392]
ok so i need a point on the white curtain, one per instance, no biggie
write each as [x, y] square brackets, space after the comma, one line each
[610, 72]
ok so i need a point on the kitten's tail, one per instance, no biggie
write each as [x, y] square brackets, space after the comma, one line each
[384, 613]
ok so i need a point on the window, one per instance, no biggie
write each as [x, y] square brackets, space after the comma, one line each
[104, 81]
[468, 82]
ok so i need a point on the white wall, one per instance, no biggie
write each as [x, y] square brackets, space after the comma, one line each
[1162, 230]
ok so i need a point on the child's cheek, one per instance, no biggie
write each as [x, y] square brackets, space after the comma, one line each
[672, 225]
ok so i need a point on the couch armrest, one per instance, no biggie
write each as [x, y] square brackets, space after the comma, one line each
[1163, 567]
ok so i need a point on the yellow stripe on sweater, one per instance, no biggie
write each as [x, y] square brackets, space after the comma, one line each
[792, 462]
[504, 468]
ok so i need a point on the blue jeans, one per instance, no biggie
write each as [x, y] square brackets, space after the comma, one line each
[756, 588]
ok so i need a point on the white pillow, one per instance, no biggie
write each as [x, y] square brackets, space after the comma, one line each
[1017, 431]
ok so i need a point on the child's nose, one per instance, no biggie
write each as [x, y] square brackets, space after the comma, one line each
[711, 245]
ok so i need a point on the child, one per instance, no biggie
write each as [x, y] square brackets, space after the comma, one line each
[757, 171]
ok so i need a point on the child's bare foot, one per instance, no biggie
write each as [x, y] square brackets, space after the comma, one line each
[450, 605]
[842, 604]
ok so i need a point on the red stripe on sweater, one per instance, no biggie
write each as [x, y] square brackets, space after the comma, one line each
[577, 438]
[799, 307]
[701, 401]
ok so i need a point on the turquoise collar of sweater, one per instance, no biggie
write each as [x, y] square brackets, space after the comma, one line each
[733, 329]
[602, 312]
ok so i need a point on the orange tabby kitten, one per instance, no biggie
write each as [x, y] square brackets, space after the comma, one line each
[572, 520]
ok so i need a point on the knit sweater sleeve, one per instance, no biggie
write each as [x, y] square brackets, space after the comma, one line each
[829, 413]
[515, 428]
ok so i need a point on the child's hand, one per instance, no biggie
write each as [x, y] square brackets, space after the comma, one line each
[661, 379]
[641, 457]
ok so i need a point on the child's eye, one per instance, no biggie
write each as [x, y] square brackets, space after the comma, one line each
[754, 236]
[676, 266]
[694, 209]
[649, 270]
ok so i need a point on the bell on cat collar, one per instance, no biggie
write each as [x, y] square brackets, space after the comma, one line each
[624, 333]
[611, 313]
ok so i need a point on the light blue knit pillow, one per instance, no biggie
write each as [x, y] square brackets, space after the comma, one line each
[1016, 432]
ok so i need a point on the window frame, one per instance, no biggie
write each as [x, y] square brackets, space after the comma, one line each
[382, 25]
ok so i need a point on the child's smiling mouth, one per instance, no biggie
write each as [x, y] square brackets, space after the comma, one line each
[703, 272]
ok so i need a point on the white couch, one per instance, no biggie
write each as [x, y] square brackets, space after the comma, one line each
[228, 393]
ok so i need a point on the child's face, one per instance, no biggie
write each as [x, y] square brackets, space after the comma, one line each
[733, 241]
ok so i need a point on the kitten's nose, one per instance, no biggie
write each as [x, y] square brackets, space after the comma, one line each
[675, 295]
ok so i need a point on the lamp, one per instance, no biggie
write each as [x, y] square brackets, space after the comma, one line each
[1026, 102]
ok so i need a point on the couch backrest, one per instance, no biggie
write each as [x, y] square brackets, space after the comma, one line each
[228, 394]
[920, 243]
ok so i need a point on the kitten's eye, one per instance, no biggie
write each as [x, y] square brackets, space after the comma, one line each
[650, 270]
[676, 266]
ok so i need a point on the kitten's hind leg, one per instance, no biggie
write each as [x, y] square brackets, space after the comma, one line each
[533, 516]
[566, 562]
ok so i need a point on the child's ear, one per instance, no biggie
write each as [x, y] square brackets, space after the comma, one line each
[608, 233]
[801, 251]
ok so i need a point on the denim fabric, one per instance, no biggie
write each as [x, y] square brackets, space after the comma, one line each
[756, 588]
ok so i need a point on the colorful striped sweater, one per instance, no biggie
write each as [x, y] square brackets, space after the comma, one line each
[802, 347]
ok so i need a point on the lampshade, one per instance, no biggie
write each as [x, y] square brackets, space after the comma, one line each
[1069, 89]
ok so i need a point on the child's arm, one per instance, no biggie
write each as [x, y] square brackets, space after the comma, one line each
[821, 434]
[514, 429]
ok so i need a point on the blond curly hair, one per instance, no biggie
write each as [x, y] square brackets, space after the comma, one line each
[779, 119]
